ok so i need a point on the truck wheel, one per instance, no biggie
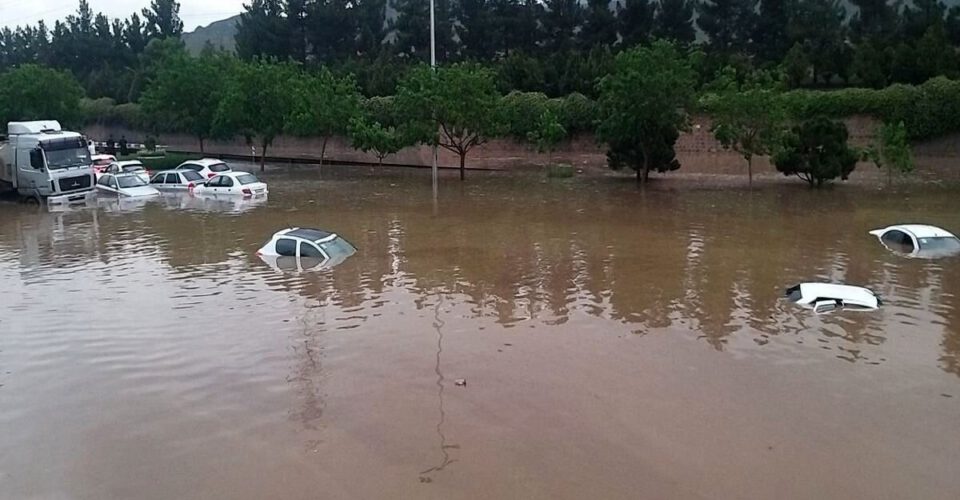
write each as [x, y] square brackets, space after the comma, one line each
[32, 200]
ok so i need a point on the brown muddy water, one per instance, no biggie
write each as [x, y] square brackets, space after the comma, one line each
[615, 343]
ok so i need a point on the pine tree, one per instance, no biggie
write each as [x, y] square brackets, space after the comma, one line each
[674, 21]
[635, 21]
[730, 24]
[561, 21]
[163, 19]
[599, 24]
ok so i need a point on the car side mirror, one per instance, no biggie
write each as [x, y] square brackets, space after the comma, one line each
[826, 306]
[36, 159]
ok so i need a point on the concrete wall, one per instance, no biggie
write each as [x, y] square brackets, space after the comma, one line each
[697, 150]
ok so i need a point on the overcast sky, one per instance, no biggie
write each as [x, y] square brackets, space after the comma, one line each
[193, 12]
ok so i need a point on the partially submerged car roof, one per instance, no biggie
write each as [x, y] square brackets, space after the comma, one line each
[309, 234]
[918, 230]
[808, 293]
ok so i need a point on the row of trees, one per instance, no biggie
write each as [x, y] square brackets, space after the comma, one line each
[644, 104]
[551, 46]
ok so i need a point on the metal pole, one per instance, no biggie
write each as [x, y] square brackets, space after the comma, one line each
[433, 64]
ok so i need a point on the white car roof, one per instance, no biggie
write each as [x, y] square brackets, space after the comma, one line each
[318, 235]
[204, 162]
[849, 294]
[103, 157]
[919, 230]
[232, 173]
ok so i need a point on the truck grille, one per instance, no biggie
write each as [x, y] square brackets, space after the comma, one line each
[74, 183]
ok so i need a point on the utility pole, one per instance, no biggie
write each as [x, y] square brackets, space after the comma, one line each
[433, 65]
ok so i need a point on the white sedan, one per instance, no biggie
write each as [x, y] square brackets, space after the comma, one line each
[918, 240]
[176, 180]
[233, 183]
[125, 185]
[128, 167]
[305, 249]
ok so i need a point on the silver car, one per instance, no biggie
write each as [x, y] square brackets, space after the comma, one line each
[176, 180]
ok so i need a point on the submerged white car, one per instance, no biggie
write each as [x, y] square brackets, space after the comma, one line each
[918, 240]
[176, 180]
[128, 167]
[305, 249]
[233, 183]
[125, 185]
[207, 167]
[828, 297]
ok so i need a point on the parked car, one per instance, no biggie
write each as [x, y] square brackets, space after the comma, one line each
[128, 167]
[305, 249]
[233, 183]
[176, 180]
[125, 185]
[207, 167]
[828, 297]
[101, 162]
[918, 240]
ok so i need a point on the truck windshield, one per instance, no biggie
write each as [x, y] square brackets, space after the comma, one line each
[65, 153]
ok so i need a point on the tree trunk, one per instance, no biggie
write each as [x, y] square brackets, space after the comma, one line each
[644, 173]
[463, 168]
[323, 150]
[750, 171]
[263, 156]
[201, 144]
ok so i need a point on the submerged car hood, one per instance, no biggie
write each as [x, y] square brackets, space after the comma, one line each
[139, 191]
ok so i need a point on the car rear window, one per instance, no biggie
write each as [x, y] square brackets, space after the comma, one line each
[133, 168]
[191, 176]
[190, 166]
[246, 179]
[219, 167]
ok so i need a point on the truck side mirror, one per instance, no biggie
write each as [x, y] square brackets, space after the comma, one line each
[36, 159]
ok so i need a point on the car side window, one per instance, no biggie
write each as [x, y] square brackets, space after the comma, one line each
[113, 182]
[157, 179]
[898, 238]
[286, 247]
[173, 179]
[104, 180]
[308, 250]
[225, 181]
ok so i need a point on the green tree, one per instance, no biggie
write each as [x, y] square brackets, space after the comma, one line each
[891, 150]
[796, 66]
[256, 103]
[816, 151]
[635, 21]
[870, 65]
[455, 107]
[163, 19]
[771, 41]
[561, 21]
[747, 116]
[729, 24]
[674, 21]
[548, 132]
[644, 102]
[262, 31]
[323, 106]
[412, 25]
[819, 26]
[476, 23]
[599, 24]
[184, 96]
[375, 130]
[935, 55]
[32, 92]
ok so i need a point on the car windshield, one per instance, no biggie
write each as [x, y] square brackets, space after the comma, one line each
[64, 153]
[219, 167]
[191, 176]
[245, 179]
[102, 161]
[130, 181]
[338, 247]
[947, 243]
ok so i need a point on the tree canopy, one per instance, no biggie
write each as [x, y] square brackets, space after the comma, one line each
[816, 151]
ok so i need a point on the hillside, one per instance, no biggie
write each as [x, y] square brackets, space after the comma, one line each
[219, 33]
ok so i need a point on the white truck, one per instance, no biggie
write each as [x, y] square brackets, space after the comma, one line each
[42, 162]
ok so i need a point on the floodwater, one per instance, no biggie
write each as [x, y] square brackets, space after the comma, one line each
[615, 343]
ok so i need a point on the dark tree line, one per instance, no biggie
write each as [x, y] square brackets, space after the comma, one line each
[552, 46]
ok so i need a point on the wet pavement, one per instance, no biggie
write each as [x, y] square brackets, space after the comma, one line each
[614, 343]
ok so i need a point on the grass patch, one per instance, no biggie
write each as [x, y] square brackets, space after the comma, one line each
[560, 171]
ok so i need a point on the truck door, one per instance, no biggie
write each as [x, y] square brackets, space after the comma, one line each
[29, 178]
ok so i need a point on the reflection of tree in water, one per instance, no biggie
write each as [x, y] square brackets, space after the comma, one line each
[445, 459]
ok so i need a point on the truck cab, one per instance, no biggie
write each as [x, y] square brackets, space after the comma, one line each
[42, 162]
